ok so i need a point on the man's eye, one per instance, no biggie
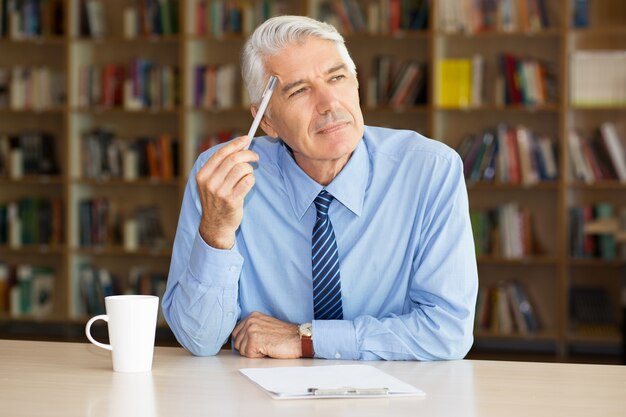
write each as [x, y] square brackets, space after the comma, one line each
[295, 93]
[338, 77]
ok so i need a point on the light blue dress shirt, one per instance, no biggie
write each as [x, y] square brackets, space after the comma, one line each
[406, 254]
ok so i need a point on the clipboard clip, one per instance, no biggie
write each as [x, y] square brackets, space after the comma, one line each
[347, 391]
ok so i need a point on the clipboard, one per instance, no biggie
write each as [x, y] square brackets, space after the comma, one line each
[333, 381]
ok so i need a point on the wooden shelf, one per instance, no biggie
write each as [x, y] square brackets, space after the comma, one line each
[539, 336]
[599, 185]
[596, 263]
[117, 110]
[543, 33]
[397, 110]
[398, 35]
[525, 261]
[613, 339]
[600, 31]
[120, 40]
[495, 186]
[549, 108]
[230, 110]
[213, 38]
[34, 250]
[120, 251]
[598, 108]
[48, 319]
[34, 112]
[31, 180]
[37, 41]
[114, 182]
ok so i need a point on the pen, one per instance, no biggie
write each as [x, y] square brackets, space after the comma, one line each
[265, 98]
[348, 391]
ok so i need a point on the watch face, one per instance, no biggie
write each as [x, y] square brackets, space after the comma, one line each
[305, 329]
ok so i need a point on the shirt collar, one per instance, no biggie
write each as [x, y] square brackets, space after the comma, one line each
[348, 187]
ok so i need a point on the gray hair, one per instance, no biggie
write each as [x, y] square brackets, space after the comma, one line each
[274, 35]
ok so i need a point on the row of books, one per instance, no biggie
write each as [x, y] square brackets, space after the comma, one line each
[31, 221]
[143, 84]
[600, 246]
[396, 84]
[505, 231]
[96, 283]
[93, 285]
[207, 141]
[599, 156]
[26, 290]
[31, 88]
[225, 17]
[471, 16]
[505, 308]
[216, 86]
[100, 224]
[511, 155]
[20, 19]
[591, 311]
[373, 17]
[105, 155]
[28, 153]
[143, 17]
[598, 78]
[525, 81]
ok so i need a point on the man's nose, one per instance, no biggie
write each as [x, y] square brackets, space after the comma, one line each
[326, 99]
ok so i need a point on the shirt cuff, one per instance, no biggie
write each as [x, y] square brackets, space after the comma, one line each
[334, 339]
[216, 267]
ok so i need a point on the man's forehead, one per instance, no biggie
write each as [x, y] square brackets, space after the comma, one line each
[301, 74]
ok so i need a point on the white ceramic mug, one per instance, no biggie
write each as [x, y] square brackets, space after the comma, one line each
[132, 325]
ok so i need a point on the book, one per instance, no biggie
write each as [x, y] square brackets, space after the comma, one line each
[95, 15]
[606, 242]
[454, 83]
[4, 287]
[580, 13]
[591, 309]
[614, 149]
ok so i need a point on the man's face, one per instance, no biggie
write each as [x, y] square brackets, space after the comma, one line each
[315, 106]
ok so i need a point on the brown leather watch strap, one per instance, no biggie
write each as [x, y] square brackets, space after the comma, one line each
[307, 346]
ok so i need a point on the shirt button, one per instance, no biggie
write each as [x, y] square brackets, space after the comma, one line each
[232, 269]
[230, 314]
[337, 355]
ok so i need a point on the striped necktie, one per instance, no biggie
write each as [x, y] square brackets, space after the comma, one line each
[327, 303]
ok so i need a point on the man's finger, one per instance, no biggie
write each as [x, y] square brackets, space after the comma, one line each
[238, 328]
[224, 152]
[236, 173]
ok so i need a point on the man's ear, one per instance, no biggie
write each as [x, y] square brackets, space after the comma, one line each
[266, 123]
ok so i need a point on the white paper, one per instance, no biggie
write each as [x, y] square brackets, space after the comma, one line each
[295, 382]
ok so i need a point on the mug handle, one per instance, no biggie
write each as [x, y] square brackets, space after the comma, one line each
[88, 332]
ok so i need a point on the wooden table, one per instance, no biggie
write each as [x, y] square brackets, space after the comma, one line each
[74, 379]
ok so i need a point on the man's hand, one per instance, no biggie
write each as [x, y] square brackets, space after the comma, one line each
[259, 335]
[223, 183]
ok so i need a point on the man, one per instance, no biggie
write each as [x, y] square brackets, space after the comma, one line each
[327, 238]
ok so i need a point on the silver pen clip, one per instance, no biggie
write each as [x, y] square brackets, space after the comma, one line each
[347, 391]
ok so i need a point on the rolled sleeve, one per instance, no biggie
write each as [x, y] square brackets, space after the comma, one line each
[214, 267]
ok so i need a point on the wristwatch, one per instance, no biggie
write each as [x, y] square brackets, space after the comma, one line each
[305, 330]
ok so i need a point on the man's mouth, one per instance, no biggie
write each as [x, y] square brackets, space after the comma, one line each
[332, 128]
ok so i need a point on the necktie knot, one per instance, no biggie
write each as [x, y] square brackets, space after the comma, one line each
[322, 203]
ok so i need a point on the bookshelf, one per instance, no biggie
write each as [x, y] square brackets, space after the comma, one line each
[185, 45]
